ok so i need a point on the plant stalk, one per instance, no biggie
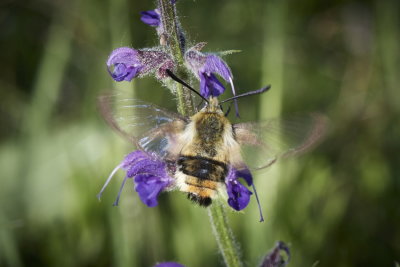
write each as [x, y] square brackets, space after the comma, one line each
[174, 44]
[218, 219]
[224, 235]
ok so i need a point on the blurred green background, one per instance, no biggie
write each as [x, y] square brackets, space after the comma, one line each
[335, 206]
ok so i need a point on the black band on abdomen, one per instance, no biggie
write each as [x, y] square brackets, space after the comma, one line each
[203, 168]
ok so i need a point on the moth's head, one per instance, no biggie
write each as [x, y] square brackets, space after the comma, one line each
[212, 106]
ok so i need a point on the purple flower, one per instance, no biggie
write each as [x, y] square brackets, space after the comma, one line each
[169, 264]
[150, 177]
[238, 194]
[126, 63]
[209, 85]
[274, 258]
[151, 17]
[205, 66]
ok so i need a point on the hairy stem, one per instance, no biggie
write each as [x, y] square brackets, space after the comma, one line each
[175, 45]
[223, 234]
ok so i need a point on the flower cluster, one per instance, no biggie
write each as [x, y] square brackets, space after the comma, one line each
[126, 63]
[151, 175]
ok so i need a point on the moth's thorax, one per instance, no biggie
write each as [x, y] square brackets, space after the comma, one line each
[210, 134]
[209, 131]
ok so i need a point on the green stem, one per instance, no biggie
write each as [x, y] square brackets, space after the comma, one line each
[223, 234]
[219, 221]
[171, 32]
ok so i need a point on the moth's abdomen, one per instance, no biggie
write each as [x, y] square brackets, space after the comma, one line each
[204, 169]
[200, 177]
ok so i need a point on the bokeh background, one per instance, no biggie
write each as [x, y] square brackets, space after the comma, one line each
[335, 206]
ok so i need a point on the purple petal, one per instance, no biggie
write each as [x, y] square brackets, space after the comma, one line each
[205, 67]
[151, 18]
[124, 55]
[169, 264]
[149, 187]
[146, 166]
[132, 157]
[123, 73]
[245, 174]
[232, 178]
[215, 64]
[126, 64]
[210, 85]
[151, 177]
[239, 195]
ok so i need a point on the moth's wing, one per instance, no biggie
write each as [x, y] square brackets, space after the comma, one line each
[263, 143]
[152, 128]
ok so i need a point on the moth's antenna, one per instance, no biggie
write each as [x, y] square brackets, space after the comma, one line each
[173, 76]
[228, 110]
[255, 92]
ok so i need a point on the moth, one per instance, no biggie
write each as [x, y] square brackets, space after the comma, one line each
[202, 152]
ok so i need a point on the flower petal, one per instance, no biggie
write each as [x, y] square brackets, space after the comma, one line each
[132, 157]
[239, 195]
[126, 64]
[150, 176]
[149, 187]
[215, 64]
[205, 66]
[245, 174]
[146, 166]
[210, 85]
[122, 72]
[124, 55]
[151, 17]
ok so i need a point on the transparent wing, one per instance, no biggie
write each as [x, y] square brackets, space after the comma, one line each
[151, 128]
[266, 142]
